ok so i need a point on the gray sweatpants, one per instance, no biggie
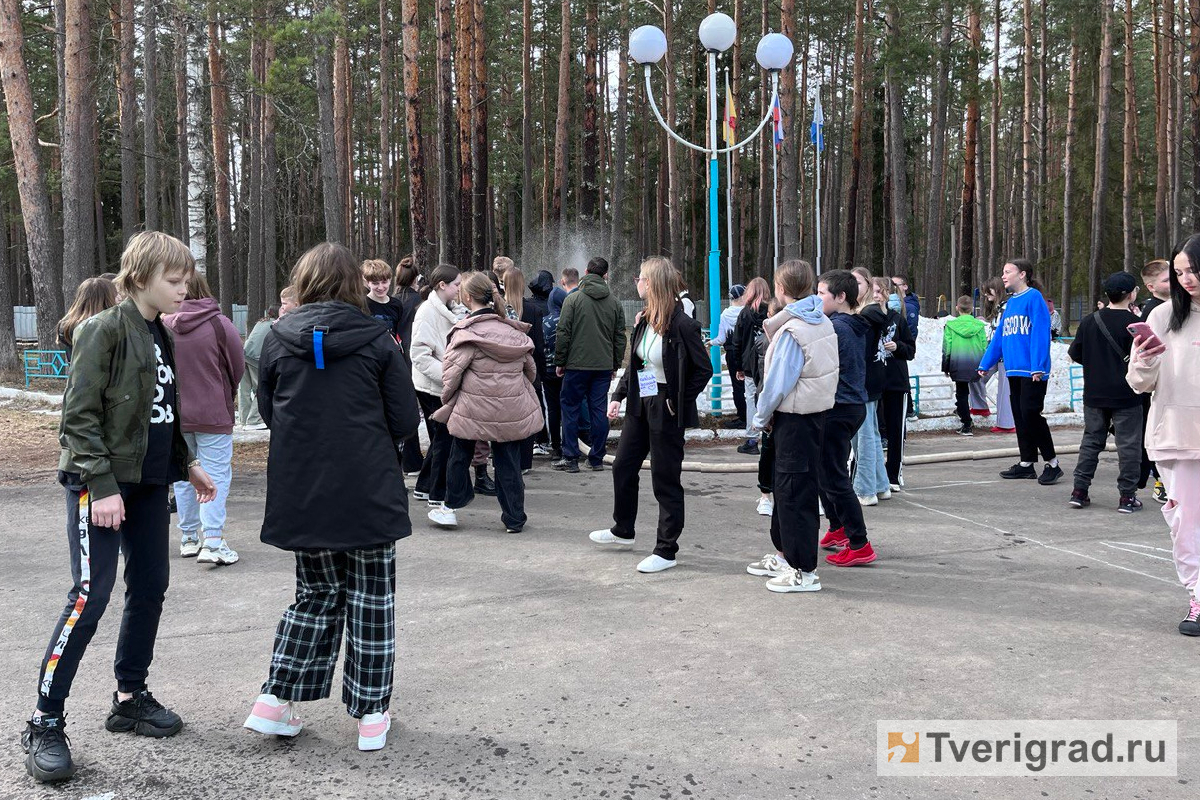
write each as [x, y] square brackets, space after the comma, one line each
[1127, 423]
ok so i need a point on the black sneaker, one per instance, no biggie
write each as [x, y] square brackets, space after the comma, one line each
[556, 454]
[596, 467]
[749, 448]
[1079, 498]
[566, 465]
[965, 430]
[143, 715]
[48, 750]
[733, 424]
[1050, 475]
[1017, 472]
[1129, 505]
[1191, 623]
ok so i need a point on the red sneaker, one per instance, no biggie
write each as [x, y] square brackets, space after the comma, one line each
[1004, 430]
[852, 558]
[835, 540]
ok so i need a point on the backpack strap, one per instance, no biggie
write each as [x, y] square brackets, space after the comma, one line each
[1124, 356]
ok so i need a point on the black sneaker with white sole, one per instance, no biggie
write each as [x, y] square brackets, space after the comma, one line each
[965, 430]
[1129, 505]
[1050, 475]
[1079, 498]
[143, 715]
[1018, 472]
[47, 749]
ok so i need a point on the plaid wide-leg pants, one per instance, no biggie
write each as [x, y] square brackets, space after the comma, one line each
[354, 589]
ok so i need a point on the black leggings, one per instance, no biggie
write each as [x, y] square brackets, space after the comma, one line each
[432, 480]
[893, 413]
[1033, 432]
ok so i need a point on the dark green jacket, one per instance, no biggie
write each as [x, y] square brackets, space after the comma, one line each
[591, 330]
[106, 408]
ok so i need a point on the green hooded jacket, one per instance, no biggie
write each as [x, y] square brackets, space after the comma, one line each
[963, 344]
[591, 331]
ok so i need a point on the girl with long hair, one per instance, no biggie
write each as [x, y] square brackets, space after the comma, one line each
[487, 395]
[749, 324]
[896, 349]
[529, 311]
[1022, 339]
[93, 296]
[993, 296]
[329, 355]
[434, 320]
[409, 297]
[668, 368]
[1168, 368]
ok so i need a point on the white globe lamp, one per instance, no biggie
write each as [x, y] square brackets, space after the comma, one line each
[718, 32]
[774, 51]
[647, 45]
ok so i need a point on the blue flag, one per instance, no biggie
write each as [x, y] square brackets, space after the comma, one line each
[817, 130]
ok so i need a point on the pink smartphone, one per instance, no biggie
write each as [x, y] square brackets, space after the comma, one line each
[1142, 329]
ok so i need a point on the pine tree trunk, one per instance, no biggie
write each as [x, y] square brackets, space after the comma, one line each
[1099, 185]
[482, 243]
[270, 180]
[589, 189]
[8, 336]
[447, 137]
[856, 133]
[993, 224]
[150, 115]
[527, 192]
[182, 168]
[387, 247]
[78, 149]
[970, 151]
[330, 185]
[789, 152]
[937, 181]
[127, 103]
[1162, 102]
[902, 243]
[1068, 258]
[252, 177]
[1027, 161]
[1194, 6]
[194, 207]
[418, 218]
[464, 49]
[40, 237]
[342, 139]
[219, 99]
[1130, 134]
[674, 185]
[617, 235]
[562, 117]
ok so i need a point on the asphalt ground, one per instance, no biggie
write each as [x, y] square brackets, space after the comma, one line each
[537, 665]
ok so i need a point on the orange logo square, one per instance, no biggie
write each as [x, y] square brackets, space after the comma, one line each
[904, 748]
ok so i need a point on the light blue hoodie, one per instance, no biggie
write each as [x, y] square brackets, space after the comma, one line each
[786, 361]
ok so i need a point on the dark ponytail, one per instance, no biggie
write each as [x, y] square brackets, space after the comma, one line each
[442, 273]
[1024, 265]
[479, 287]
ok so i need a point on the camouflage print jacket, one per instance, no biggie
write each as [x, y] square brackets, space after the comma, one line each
[106, 408]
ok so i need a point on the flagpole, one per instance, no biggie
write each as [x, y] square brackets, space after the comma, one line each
[728, 189]
[818, 148]
[775, 196]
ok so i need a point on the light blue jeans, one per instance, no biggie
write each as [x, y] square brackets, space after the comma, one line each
[215, 451]
[870, 471]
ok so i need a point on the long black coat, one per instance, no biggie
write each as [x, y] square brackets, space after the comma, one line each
[685, 361]
[334, 480]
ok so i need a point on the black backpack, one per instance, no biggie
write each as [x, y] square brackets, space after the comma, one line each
[758, 364]
[550, 336]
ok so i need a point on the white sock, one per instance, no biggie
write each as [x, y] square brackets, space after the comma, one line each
[1053, 462]
[1026, 463]
[782, 559]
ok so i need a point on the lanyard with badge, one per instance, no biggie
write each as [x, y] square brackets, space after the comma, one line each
[647, 382]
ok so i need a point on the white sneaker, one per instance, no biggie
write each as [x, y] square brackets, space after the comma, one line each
[273, 717]
[373, 730]
[420, 495]
[894, 487]
[445, 517]
[262, 426]
[654, 563]
[416, 474]
[795, 580]
[770, 565]
[869, 500]
[606, 536]
[541, 450]
[886, 494]
[189, 548]
[766, 506]
[222, 554]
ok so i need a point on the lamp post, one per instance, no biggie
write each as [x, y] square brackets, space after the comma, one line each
[647, 46]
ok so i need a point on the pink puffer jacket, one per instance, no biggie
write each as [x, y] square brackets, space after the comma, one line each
[487, 381]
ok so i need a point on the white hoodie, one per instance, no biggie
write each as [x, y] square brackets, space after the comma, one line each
[1173, 427]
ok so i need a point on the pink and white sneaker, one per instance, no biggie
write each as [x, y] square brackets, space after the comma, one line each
[273, 716]
[373, 730]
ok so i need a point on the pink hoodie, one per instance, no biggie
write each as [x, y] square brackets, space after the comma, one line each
[209, 363]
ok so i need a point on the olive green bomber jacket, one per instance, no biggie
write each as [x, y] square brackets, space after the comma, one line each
[107, 403]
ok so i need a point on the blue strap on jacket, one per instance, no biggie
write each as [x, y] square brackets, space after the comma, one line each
[319, 345]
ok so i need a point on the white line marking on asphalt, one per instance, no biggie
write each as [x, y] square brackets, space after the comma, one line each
[951, 485]
[1047, 545]
[1136, 552]
[1144, 546]
[105, 796]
